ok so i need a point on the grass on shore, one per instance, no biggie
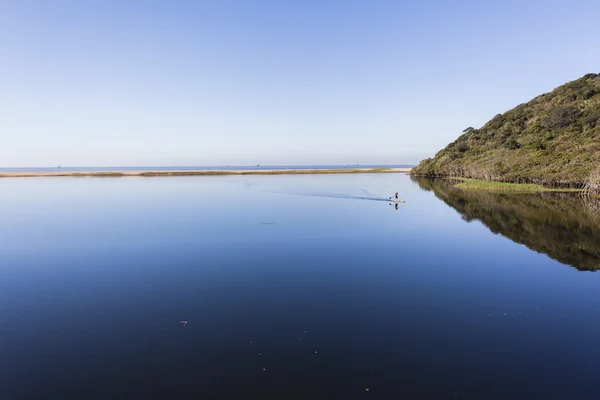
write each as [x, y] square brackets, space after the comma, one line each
[503, 187]
[101, 174]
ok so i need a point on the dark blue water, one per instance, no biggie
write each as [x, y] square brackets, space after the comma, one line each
[199, 168]
[293, 287]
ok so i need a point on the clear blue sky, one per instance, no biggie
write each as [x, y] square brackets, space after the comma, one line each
[117, 83]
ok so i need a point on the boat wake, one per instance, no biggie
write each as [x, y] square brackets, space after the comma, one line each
[332, 195]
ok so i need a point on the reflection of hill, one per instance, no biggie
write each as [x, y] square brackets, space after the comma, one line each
[559, 225]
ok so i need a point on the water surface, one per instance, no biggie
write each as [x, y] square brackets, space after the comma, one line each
[293, 287]
[255, 167]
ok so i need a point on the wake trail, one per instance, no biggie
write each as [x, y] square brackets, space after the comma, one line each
[365, 191]
[331, 195]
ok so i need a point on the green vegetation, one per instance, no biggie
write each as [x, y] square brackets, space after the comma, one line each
[553, 141]
[565, 226]
[504, 187]
[592, 186]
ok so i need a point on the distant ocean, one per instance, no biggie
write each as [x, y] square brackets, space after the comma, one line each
[202, 168]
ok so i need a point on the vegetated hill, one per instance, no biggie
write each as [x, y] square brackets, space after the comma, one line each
[553, 140]
[561, 225]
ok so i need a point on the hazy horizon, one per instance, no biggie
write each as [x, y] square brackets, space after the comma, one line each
[240, 83]
[116, 167]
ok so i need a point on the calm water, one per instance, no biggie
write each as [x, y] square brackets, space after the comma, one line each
[294, 287]
[195, 168]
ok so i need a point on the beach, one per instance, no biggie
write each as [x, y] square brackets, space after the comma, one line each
[160, 173]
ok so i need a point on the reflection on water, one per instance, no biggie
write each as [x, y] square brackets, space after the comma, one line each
[292, 287]
[563, 226]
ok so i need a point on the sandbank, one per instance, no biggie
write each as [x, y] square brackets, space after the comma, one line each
[159, 173]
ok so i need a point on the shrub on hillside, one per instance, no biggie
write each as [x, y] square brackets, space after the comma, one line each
[560, 117]
[593, 118]
[462, 147]
[512, 144]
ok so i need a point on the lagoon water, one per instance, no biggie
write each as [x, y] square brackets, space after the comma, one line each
[294, 287]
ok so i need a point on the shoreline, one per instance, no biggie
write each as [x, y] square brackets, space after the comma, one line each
[502, 187]
[159, 173]
[507, 187]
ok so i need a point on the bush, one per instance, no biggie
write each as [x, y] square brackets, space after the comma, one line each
[593, 118]
[454, 154]
[589, 93]
[539, 145]
[496, 122]
[560, 117]
[512, 144]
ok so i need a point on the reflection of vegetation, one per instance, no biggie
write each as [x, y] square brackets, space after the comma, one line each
[563, 226]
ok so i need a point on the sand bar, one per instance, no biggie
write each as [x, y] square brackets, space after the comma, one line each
[156, 173]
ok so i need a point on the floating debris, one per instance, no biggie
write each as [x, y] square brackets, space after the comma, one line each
[367, 389]
[489, 315]
[264, 369]
[307, 331]
[250, 341]
[505, 314]
[260, 354]
[316, 351]
[184, 323]
[299, 339]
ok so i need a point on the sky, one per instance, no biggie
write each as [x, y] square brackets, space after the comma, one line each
[273, 82]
